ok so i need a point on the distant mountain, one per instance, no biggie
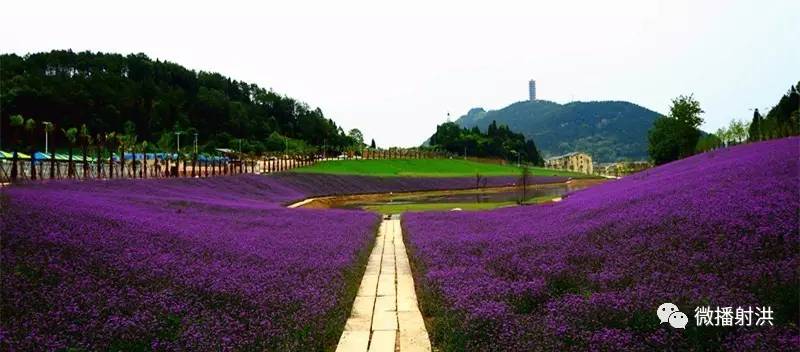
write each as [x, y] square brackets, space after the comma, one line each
[607, 130]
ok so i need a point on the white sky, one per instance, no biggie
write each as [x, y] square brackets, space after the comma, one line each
[394, 69]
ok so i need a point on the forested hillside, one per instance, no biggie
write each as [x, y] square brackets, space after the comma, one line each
[153, 99]
[608, 130]
[497, 142]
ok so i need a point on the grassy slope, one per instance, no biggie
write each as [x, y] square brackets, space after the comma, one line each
[424, 168]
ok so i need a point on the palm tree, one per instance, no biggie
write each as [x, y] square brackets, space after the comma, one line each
[71, 135]
[16, 122]
[110, 138]
[30, 128]
[121, 145]
[144, 159]
[86, 139]
[101, 142]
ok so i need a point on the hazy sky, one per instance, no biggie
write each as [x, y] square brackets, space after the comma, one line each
[396, 69]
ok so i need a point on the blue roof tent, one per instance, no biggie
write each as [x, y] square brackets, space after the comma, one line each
[61, 157]
[172, 156]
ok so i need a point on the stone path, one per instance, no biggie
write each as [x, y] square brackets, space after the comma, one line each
[385, 315]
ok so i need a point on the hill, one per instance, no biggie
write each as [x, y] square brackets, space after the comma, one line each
[608, 130]
[152, 99]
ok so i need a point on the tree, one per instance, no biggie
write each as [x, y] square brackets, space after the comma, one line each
[523, 184]
[724, 136]
[675, 136]
[16, 122]
[372, 145]
[687, 110]
[71, 136]
[497, 142]
[85, 139]
[30, 129]
[665, 140]
[357, 137]
[738, 131]
[104, 91]
[708, 142]
[755, 127]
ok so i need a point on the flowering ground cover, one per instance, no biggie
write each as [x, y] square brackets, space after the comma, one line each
[182, 264]
[588, 273]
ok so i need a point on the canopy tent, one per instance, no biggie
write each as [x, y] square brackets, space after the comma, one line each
[150, 156]
[63, 157]
[40, 156]
[9, 155]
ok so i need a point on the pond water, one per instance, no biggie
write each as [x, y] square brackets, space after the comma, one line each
[509, 194]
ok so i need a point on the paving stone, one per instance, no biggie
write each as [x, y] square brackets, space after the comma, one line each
[353, 341]
[414, 341]
[358, 323]
[386, 303]
[383, 341]
[369, 285]
[382, 320]
[386, 286]
[411, 320]
[362, 306]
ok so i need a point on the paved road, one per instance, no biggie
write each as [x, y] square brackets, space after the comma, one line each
[385, 315]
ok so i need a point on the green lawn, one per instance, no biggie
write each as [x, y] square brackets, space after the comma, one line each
[424, 168]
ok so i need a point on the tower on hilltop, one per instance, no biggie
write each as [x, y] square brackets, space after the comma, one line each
[532, 89]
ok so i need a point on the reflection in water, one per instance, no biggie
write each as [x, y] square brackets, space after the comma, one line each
[473, 196]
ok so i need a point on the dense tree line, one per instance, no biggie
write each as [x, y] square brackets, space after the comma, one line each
[782, 120]
[677, 135]
[498, 141]
[153, 99]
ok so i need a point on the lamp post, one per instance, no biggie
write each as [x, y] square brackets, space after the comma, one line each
[47, 127]
[178, 134]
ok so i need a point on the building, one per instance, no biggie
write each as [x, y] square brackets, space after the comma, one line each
[577, 162]
[532, 89]
[621, 168]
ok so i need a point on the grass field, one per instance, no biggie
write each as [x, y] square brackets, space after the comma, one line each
[424, 168]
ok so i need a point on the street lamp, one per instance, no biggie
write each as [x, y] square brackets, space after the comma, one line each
[47, 127]
[178, 134]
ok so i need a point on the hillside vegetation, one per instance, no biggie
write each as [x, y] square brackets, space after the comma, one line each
[608, 130]
[152, 99]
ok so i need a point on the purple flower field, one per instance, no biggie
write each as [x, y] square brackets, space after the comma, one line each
[183, 264]
[588, 273]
